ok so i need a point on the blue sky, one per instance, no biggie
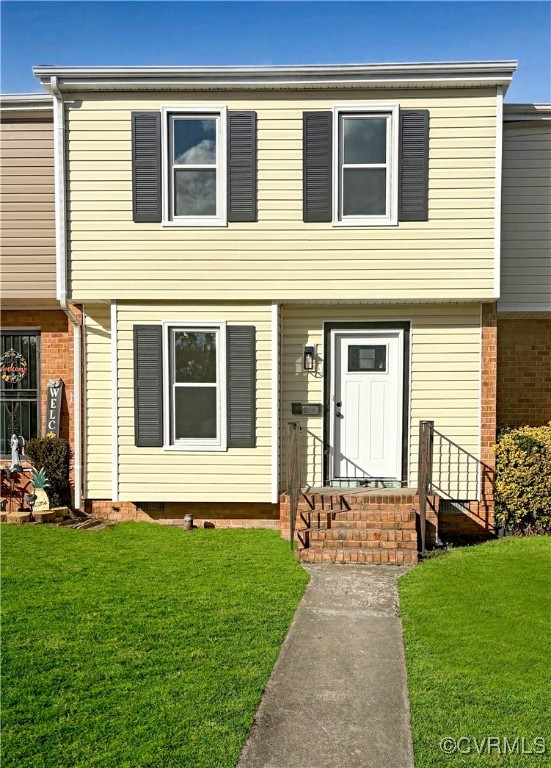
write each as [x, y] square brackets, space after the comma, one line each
[201, 33]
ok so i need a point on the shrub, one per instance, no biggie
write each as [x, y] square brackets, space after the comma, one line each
[52, 454]
[523, 480]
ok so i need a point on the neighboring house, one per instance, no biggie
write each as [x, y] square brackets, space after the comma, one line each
[37, 336]
[258, 246]
[524, 309]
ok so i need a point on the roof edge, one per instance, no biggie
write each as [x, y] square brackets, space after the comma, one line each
[516, 112]
[26, 102]
[314, 75]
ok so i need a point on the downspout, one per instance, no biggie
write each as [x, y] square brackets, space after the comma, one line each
[61, 279]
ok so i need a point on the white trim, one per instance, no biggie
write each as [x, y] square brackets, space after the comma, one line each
[497, 209]
[220, 443]
[410, 395]
[221, 219]
[520, 112]
[114, 405]
[393, 113]
[275, 402]
[399, 333]
[59, 193]
[469, 73]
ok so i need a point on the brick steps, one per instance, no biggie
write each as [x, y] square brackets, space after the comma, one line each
[362, 520]
[374, 526]
[347, 535]
[356, 555]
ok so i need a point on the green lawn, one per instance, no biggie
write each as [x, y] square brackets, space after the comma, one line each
[141, 645]
[477, 634]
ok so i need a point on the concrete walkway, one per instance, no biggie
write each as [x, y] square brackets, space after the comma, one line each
[337, 697]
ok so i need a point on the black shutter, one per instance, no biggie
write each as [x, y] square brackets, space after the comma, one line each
[241, 382]
[317, 154]
[414, 165]
[148, 386]
[146, 166]
[242, 198]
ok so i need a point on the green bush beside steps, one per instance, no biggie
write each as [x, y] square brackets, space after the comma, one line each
[523, 480]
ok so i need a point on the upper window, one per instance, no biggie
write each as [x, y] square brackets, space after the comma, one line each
[194, 168]
[366, 167]
[196, 399]
[19, 386]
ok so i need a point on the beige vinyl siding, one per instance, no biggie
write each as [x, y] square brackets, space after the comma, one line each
[154, 474]
[27, 250]
[98, 415]
[526, 216]
[280, 257]
[445, 373]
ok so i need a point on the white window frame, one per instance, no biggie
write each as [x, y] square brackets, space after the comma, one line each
[207, 111]
[392, 112]
[219, 443]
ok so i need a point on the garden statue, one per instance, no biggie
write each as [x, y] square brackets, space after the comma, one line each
[17, 453]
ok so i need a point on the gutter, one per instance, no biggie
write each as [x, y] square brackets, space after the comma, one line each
[61, 279]
[477, 73]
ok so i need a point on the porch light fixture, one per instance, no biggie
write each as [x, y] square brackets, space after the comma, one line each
[309, 357]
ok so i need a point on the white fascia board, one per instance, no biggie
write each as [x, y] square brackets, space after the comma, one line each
[517, 112]
[317, 76]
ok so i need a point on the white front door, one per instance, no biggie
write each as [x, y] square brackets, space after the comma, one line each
[367, 405]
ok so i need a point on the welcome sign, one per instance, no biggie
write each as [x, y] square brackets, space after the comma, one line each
[53, 406]
[14, 366]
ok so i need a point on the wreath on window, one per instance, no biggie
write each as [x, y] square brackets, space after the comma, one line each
[14, 366]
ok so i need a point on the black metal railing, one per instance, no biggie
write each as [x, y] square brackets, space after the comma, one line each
[451, 472]
[293, 474]
[455, 471]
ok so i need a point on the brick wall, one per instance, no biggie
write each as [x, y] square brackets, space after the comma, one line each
[56, 359]
[210, 515]
[524, 372]
[484, 510]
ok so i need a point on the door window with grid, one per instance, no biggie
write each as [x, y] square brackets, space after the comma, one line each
[19, 400]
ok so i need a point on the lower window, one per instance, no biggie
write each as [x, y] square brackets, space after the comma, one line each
[195, 406]
[19, 387]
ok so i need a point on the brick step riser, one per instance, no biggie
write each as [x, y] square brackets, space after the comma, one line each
[398, 515]
[379, 557]
[357, 507]
[354, 535]
[340, 524]
[368, 544]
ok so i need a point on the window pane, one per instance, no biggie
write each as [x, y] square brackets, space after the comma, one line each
[367, 358]
[195, 357]
[364, 139]
[364, 192]
[195, 193]
[194, 141]
[195, 412]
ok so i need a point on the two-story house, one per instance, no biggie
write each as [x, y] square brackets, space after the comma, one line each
[39, 341]
[257, 246]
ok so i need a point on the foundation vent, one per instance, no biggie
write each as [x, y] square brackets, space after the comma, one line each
[150, 506]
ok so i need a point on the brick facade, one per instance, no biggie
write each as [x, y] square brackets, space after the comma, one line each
[56, 360]
[484, 510]
[524, 372]
[210, 515]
